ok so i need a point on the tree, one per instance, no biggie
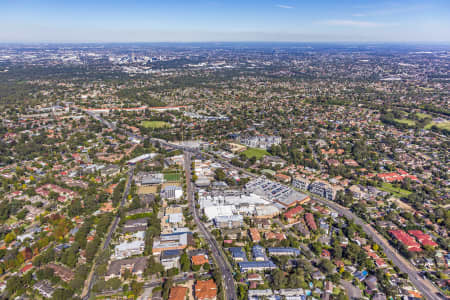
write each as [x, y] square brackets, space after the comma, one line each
[342, 296]
[53, 195]
[326, 266]
[278, 279]
[295, 281]
[172, 272]
[136, 288]
[62, 294]
[14, 285]
[351, 251]
[75, 209]
[102, 269]
[114, 283]
[91, 249]
[127, 274]
[335, 278]
[77, 282]
[242, 292]
[337, 251]
[22, 214]
[100, 285]
[45, 273]
[153, 267]
[220, 175]
[185, 263]
[69, 257]
[10, 237]
[166, 288]
[44, 258]
[375, 247]
[27, 278]
[317, 248]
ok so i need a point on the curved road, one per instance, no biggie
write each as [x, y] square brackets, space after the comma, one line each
[423, 285]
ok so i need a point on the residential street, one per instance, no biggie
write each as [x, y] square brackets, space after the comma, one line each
[91, 278]
[423, 285]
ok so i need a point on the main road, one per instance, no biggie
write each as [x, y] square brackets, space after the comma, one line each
[230, 290]
[422, 284]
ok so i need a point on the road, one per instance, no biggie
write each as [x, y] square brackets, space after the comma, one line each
[422, 284]
[108, 124]
[122, 203]
[91, 279]
[149, 285]
[230, 290]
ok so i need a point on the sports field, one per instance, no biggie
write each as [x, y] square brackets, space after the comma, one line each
[423, 116]
[405, 121]
[398, 192]
[172, 176]
[155, 124]
[441, 125]
[255, 152]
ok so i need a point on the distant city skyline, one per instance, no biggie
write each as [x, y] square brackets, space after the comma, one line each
[208, 21]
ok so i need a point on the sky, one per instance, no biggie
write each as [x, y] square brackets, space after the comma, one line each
[230, 20]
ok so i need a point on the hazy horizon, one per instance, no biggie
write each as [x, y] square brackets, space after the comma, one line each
[118, 21]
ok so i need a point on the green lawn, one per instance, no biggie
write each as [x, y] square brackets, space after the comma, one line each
[398, 192]
[172, 176]
[11, 220]
[405, 121]
[267, 171]
[255, 152]
[155, 124]
[443, 125]
[423, 116]
[138, 216]
[426, 89]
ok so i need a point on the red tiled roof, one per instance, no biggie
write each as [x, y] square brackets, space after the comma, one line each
[326, 253]
[406, 240]
[178, 293]
[423, 238]
[293, 212]
[254, 233]
[309, 217]
[26, 268]
[205, 289]
[199, 259]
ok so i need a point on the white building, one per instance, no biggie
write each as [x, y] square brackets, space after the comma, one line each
[124, 250]
[171, 192]
[213, 212]
[142, 158]
[175, 218]
[261, 141]
[227, 203]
